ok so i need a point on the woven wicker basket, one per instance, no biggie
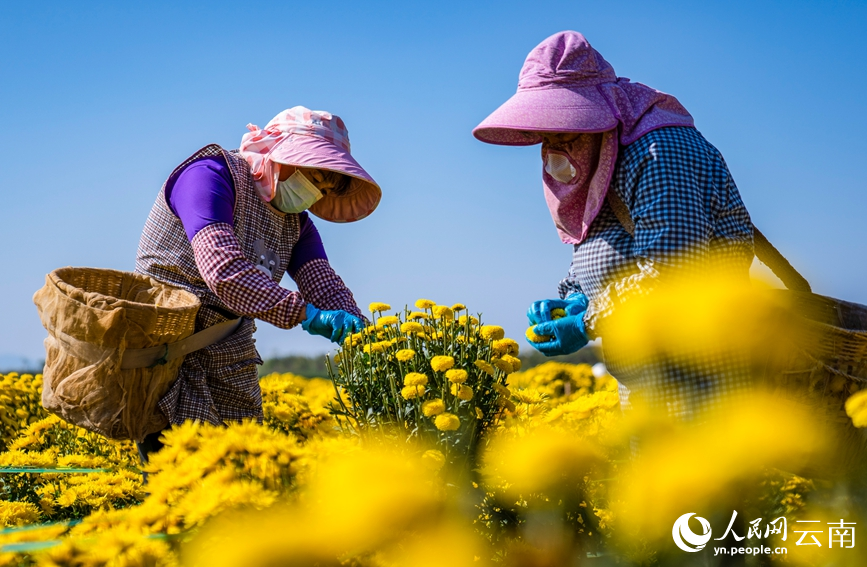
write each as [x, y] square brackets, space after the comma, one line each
[92, 316]
[826, 364]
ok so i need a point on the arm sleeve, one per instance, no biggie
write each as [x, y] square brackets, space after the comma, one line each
[672, 226]
[244, 289]
[202, 194]
[568, 286]
[309, 246]
[320, 285]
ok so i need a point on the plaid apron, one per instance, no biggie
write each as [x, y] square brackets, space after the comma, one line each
[218, 383]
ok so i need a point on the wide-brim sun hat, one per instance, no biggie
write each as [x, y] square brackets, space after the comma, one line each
[311, 139]
[557, 92]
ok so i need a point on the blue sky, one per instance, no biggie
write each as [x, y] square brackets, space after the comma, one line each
[100, 101]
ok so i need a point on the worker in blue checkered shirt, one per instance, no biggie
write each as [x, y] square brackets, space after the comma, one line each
[617, 153]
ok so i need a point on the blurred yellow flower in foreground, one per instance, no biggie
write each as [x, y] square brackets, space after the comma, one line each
[708, 315]
[682, 467]
[433, 459]
[356, 503]
[546, 460]
[856, 408]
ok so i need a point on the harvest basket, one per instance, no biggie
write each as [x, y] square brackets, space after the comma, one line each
[824, 363]
[821, 365]
[93, 317]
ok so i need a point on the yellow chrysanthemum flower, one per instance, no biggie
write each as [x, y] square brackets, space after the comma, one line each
[514, 361]
[458, 307]
[415, 379]
[505, 346]
[502, 390]
[433, 459]
[528, 396]
[411, 327]
[506, 404]
[457, 376]
[479, 414]
[856, 408]
[377, 307]
[462, 320]
[484, 367]
[534, 338]
[412, 392]
[447, 422]
[425, 303]
[492, 332]
[337, 358]
[375, 348]
[433, 407]
[506, 367]
[558, 313]
[387, 320]
[418, 315]
[442, 363]
[443, 312]
[462, 392]
[404, 354]
[353, 340]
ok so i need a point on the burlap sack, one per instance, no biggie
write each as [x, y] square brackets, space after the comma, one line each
[92, 317]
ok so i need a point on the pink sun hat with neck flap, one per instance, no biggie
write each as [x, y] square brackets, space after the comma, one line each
[313, 139]
[567, 86]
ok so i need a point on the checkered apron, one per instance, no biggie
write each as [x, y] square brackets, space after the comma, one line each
[218, 383]
[694, 212]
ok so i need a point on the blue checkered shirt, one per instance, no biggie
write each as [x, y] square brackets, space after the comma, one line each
[687, 210]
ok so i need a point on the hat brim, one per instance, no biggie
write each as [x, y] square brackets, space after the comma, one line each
[313, 152]
[517, 121]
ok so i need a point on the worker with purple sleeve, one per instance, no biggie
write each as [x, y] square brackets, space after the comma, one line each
[227, 225]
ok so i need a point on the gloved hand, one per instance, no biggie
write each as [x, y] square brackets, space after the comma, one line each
[568, 334]
[540, 311]
[333, 325]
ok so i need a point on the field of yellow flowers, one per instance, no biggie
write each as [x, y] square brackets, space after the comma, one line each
[427, 445]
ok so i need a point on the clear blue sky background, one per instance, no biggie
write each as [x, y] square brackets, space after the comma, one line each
[100, 101]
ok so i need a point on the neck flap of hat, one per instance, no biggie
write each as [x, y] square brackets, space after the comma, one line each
[567, 61]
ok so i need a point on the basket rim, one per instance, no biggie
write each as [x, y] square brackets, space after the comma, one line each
[56, 279]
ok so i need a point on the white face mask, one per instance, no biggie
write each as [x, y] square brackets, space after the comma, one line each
[560, 168]
[296, 194]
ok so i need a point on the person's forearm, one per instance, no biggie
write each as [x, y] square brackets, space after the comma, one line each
[644, 281]
[320, 285]
[244, 289]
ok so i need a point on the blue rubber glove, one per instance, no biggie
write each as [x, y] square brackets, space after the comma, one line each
[569, 335]
[333, 325]
[540, 311]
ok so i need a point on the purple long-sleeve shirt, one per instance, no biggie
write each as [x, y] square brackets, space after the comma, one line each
[204, 194]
